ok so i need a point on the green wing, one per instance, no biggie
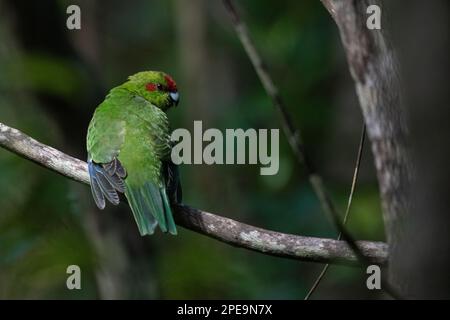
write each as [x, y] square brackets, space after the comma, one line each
[106, 132]
[105, 138]
[135, 134]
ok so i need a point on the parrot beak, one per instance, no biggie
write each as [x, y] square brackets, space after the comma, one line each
[175, 97]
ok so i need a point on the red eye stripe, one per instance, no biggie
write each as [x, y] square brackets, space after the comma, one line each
[171, 85]
[150, 87]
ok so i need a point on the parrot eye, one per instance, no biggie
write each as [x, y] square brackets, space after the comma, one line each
[154, 86]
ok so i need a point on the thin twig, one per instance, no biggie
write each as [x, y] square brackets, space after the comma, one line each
[292, 133]
[386, 285]
[373, 66]
[347, 211]
[229, 231]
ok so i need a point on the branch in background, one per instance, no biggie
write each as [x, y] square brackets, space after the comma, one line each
[374, 69]
[347, 211]
[223, 229]
[292, 133]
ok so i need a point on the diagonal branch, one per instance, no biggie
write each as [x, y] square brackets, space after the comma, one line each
[347, 210]
[292, 133]
[223, 229]
[374, 69]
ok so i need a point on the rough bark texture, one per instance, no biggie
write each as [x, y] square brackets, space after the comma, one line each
[373, 67]
[25, 146]
[292, 133]
[226, 230]
[275, 243]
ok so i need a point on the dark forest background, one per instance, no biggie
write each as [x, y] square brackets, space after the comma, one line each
[51, 80]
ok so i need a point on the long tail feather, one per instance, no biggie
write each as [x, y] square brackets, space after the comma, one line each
[168, 213]
[150, 206]
[149, 203]
[145, 221]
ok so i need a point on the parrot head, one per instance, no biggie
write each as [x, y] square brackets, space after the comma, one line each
[157, 87]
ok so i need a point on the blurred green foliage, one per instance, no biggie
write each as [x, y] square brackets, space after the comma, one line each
[51, 81]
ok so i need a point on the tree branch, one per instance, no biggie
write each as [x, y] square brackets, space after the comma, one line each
[223, 229]
[292, 133]
[374, 69]
[347, 210]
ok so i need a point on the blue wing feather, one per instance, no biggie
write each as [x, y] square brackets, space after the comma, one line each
[106, 182]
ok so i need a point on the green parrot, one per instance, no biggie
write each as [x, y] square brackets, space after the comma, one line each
[128, 145]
